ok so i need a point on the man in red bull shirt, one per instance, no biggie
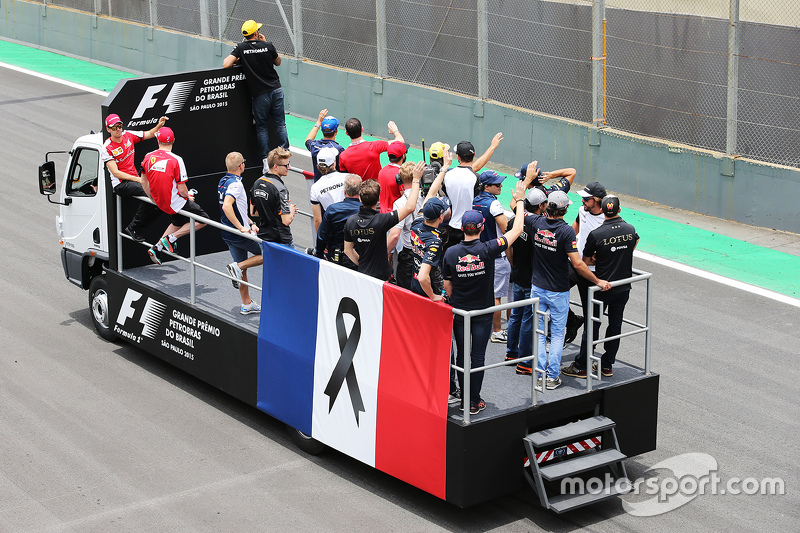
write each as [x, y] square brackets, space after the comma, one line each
[554, 247]
[468, 271]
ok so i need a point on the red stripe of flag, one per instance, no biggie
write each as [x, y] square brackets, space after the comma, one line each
[413, 389]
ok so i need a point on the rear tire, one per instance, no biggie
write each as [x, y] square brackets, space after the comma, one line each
[99, 308]
[304, 442]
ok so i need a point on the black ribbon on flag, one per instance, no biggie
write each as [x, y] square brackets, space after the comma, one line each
[344, 367]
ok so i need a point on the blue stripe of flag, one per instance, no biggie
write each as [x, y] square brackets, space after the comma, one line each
[287, 336]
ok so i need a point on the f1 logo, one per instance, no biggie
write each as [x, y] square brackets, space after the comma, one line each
[174, 101]
[151, 317]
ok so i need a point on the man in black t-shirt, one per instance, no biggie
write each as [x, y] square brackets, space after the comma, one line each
[468, 271]
[554, 247]
[259, 58]
[426, 246]
[270, 198]
[365, 232]
[520, 254]
[610, 249]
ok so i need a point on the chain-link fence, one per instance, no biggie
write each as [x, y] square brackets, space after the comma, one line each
[716, 74]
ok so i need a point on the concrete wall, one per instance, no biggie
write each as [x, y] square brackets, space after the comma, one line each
[680, 176]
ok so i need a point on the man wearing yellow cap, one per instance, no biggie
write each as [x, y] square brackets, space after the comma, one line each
[258, 58]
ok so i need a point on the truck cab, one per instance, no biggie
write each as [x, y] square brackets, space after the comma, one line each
[81, 223]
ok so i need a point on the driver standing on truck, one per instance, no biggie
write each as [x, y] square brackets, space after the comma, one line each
[235, 215]
[165, 182]
[118, 156]
[270, 198]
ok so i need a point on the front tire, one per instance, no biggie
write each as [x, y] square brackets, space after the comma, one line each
[99, 308]
[304, 442]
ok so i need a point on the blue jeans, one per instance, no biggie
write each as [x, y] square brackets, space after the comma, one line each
[615, 303]
[268, 105]
[558, 305]
[520, 327]
[480, 331]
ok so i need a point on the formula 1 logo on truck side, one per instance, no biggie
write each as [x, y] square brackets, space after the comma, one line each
[174, 101]
[151, 316]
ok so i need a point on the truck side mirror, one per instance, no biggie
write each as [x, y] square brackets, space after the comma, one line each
[47, 178]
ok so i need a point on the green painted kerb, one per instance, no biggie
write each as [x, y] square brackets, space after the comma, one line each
[749, 263]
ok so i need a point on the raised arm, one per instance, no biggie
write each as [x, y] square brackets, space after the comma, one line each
[394, 131]
[481, 162]
[317, 125]
[411, 204]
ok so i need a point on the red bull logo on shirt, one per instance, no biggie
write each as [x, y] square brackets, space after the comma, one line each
[470, 263]
[545, 237]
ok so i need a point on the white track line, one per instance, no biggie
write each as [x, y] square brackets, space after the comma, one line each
[56, 80]
[778, 297]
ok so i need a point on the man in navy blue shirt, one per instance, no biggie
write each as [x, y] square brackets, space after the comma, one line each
[554, 247]
[330, 237]
[468, 271]
[329, 126]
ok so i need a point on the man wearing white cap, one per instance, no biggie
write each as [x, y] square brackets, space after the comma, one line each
[259, 58]
[118, 154]
[330, 187]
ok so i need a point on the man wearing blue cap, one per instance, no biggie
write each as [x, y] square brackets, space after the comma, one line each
[329, 126]
[426, 245]
[487, 203]
[468, 271]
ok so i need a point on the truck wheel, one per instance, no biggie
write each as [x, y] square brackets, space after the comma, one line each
[304, 442]
[98, 308]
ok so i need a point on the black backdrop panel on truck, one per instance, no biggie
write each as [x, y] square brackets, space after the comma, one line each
[210, 113]
[213, 350]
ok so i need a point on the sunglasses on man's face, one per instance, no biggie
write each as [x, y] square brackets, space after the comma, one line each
[117, 126]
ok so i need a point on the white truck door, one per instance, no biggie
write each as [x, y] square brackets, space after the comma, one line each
[84, 219]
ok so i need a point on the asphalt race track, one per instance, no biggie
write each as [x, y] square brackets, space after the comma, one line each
[99, 437]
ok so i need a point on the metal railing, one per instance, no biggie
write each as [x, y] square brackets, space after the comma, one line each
[639, 275]
[192, 259]
[467, 369]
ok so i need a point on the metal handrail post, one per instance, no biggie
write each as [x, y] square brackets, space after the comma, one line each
[119, 233]
[589, 331]
[192, 270]
[467, 364]
[648, 322]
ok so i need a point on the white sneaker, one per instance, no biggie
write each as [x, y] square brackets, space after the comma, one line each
[236, 272]
[500, 336]
[250, 308]
[553, 383]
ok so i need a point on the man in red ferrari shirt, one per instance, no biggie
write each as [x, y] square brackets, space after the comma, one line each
[118, 155]
[364, 157]
[391, 189]
[164, 180]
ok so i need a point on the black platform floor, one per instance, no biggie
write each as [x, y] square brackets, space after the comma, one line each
[503, 389]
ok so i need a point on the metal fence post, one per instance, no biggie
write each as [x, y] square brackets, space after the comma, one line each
[222, 9]
[598, 14]
[297, 18]
[205, 22]
[733, 77]
[380, 37]
[153, 12]
[483, 50]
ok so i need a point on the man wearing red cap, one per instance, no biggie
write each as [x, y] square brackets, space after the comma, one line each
[259, 58]
[164, 180]
[387, 178]
[364, 157]
[118, 154]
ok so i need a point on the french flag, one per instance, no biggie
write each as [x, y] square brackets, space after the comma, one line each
[358, 364]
